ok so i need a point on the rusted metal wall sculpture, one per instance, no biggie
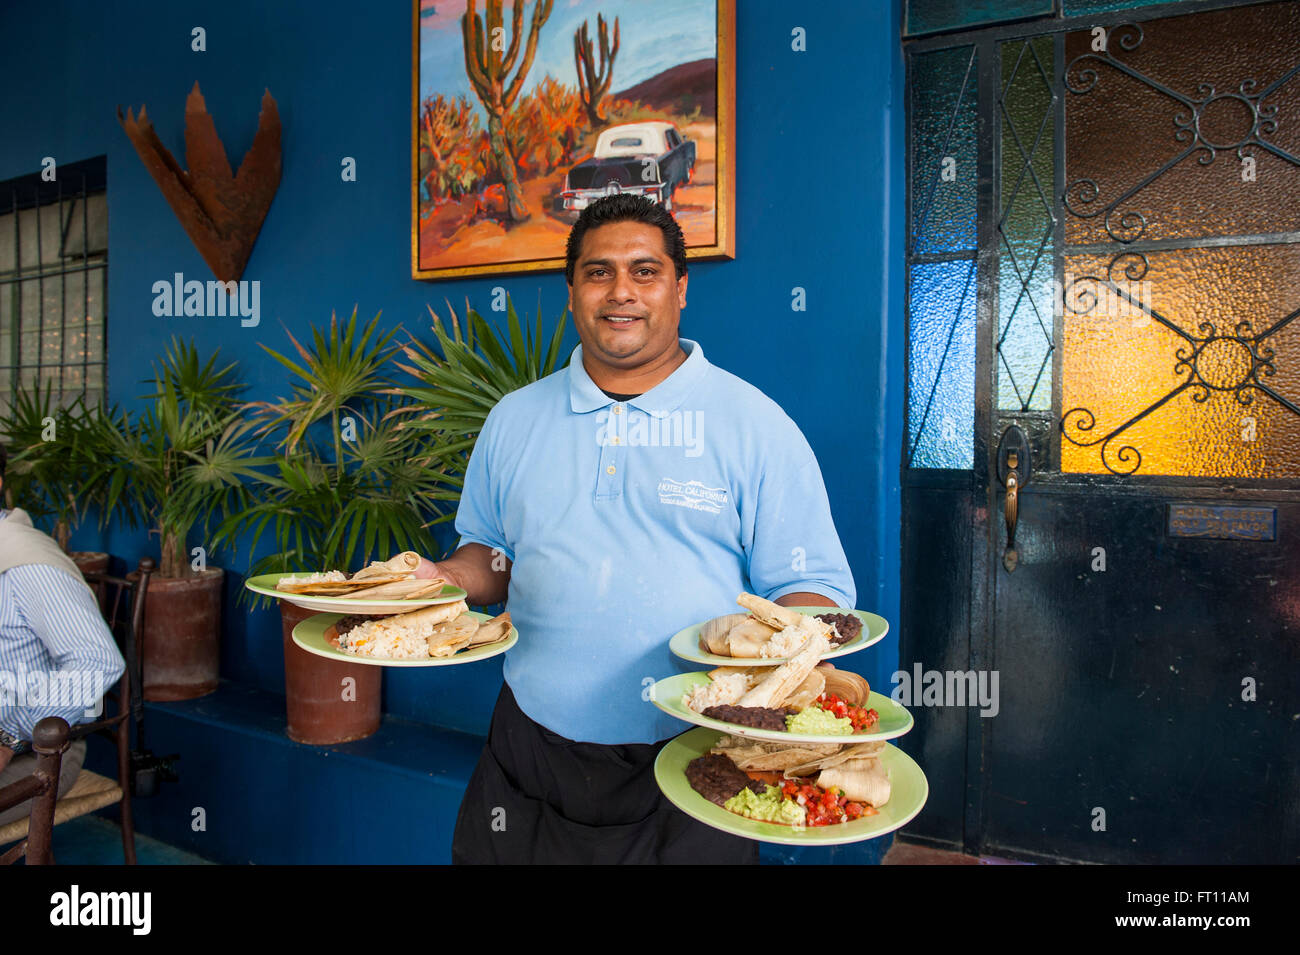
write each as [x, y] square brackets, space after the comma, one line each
[222, 212]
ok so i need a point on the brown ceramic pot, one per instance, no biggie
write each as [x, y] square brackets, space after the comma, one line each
[90, 561]
[93, 562]
[182, 634]
[323, 708]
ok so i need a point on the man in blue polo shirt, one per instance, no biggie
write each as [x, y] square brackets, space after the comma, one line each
[634, 493]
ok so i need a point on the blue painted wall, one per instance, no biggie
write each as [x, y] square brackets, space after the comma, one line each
[820, 206]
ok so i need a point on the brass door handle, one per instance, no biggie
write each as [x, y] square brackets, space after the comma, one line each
[1013, 460]
[1012, 512]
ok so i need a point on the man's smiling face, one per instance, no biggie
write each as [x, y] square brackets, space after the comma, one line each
[626, 298]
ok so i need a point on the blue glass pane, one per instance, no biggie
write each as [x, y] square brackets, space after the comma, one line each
[941, 365]
[929, 16]
[1076, 7]
[1026, 191]
[943, 150]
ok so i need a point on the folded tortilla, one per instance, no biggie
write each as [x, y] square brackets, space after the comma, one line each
[455, 635]
[806, 693]
[844, 752]
[400, 590]
[789, 675]
[498, 628]
[404, 563]
[437, 614]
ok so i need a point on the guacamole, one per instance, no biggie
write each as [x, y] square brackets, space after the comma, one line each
[769, 807]
[814, 719]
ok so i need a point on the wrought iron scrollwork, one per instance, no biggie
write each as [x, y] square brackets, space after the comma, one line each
[1126, 226]
[1236, 362]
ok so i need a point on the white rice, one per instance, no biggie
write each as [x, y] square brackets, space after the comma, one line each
[393, 641]
[724, 690]
[329, 576]
[785, 643]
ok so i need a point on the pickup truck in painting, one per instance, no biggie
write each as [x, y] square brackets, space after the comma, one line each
[648, 159]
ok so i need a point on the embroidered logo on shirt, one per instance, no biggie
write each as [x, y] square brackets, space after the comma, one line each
[692, 494]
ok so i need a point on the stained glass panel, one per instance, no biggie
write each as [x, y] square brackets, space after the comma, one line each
[941, 365]
[1173, 135]
[943, 151]
[1026, 268]
[1184, 362]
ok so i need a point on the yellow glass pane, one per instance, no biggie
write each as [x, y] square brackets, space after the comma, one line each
[1186, 365]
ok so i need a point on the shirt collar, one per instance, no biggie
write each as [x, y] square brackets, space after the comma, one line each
[658, 402]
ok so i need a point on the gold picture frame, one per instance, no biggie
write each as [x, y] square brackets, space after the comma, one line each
[461, 226]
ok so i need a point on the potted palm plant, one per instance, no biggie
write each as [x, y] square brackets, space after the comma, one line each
[462, 379]
[348, 485]
[52, 456]
[181, 463]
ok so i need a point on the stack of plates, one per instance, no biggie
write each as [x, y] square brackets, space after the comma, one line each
[908, 786]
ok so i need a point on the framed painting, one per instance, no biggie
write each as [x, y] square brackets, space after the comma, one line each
[525, 112]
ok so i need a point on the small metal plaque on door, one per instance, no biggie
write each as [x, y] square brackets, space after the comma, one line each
[1223, 523]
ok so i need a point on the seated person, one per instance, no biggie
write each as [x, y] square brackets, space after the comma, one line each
[57, 656]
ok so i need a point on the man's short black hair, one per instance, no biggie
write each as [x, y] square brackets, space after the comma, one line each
[626, 207]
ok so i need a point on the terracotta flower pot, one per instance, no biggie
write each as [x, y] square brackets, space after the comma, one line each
[90, 561]
[93, 562]
[182, 636]
[323, 706]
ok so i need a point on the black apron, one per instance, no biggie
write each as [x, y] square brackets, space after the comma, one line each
[538, 798]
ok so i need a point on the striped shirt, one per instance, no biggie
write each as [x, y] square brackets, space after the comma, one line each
[57, 656]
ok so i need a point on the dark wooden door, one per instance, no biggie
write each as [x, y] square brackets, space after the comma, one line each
[1105, 254]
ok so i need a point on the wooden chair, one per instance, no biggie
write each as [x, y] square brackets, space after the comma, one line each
[49, 740]
[124, 600]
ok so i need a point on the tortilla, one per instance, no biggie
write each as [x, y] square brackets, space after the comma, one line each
[404, 564]
[844, 752]
[437, 614]
[454, 636]
[399, 590]
[498, 628]
[806, 693]
[332, 588]
[763, 755]
[789, 675]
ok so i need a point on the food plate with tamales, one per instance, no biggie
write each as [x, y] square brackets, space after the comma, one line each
[827, 706]
[442, 635]
[384, 587]
[769, 634]
[799, 794]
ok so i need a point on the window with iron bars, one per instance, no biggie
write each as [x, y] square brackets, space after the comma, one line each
[54, 284]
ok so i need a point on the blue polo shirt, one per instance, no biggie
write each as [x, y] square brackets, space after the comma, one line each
[627, 521]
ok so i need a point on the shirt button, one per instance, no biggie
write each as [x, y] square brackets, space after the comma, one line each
[614, 440]
[618, 409]
[610, 469]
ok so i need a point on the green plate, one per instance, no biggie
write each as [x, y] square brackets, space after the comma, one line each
[265, 584]
[908, 786]
[686, 643]
[310, 635]
[667, 695]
